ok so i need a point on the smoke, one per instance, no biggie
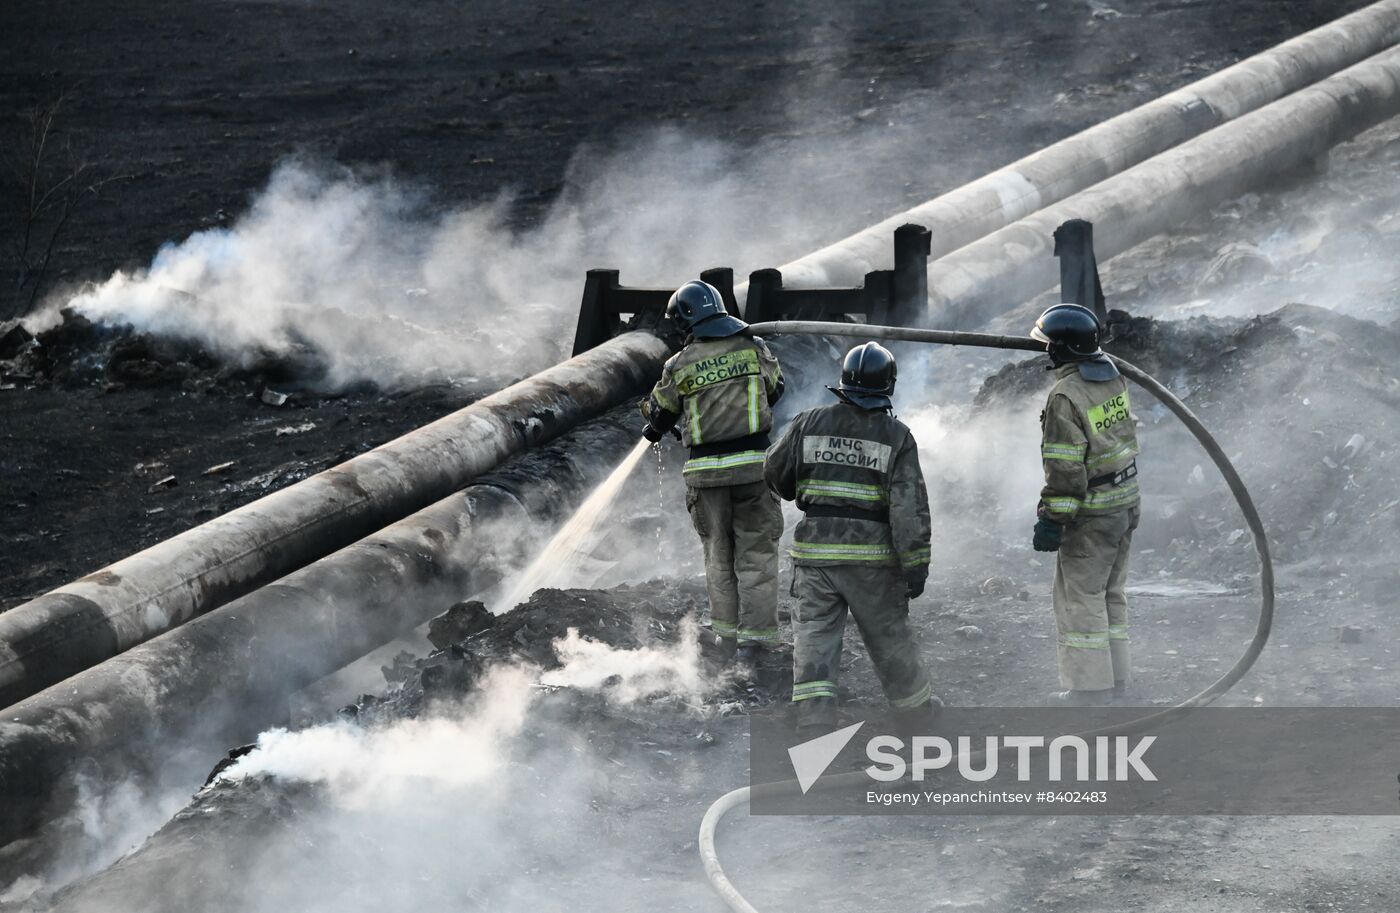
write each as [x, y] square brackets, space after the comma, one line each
[628, 676]
[506, 799]
[468, 744]
[355, 269]
[363, 767]
[372, 278]
[486, 804]
[983, 472]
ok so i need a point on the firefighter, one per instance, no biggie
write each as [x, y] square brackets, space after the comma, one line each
[719, 391]
[863, 544]
[1089, 506]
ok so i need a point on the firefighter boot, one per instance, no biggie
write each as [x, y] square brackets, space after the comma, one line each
[917, 720]
[815, 717]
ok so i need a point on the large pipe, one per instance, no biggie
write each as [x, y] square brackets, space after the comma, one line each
[107, 612]
[963, 215]
[1014, 264]
[160, 712]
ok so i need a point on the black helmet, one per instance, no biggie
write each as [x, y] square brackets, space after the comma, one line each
[700, 308]
[867, 377]
[1070, 333]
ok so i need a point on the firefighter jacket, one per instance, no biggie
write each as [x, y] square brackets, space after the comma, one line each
[855, 474]
[719, 393]
[1089, 447]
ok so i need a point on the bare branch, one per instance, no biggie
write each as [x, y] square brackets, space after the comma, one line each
[46, 205]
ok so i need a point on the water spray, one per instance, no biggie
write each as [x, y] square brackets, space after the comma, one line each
[566, 546]
[709, 857]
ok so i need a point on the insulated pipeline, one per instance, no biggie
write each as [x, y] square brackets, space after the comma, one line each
[1078, 162]
[81, 624]
[154, 715]
[709, 858]
[1015, 263]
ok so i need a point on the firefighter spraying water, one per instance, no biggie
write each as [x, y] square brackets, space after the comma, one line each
[719, 393]
[723, 383]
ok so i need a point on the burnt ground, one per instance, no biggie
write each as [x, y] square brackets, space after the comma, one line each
[1287, 393]
[86, 490]
[190, 105]
[185, 108]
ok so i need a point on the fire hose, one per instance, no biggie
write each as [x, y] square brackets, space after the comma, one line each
[732, 800]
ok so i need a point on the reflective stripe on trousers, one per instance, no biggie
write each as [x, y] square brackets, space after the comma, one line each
[805, 691]
[874, 596]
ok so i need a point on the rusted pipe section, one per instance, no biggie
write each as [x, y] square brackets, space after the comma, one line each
[974, 210]
[99, 616]
[1010, 266]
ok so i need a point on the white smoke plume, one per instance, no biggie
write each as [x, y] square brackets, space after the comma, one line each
[627, 676]
[983, 472]
[463, 806]
[377, 280]
[364, 766]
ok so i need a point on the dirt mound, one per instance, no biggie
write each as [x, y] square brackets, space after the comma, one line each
[527, 635]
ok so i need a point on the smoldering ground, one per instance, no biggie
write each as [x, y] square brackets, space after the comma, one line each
[190, 107]
[370, 278]
[541, 786]
[378, 277]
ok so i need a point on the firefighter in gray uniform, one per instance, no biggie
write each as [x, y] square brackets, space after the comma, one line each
[863, 544]
[1089, 506]
[718, 391]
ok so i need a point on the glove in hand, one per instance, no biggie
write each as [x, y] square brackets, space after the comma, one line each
[1047, 535]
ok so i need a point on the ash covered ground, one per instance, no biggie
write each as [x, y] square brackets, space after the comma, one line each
[542, 767]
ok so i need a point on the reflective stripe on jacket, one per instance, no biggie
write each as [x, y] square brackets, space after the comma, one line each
[853, 462]
[1087, 432]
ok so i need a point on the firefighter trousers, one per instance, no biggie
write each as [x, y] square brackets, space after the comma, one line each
[1091, 609]
[739, 527]
[875, 597]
